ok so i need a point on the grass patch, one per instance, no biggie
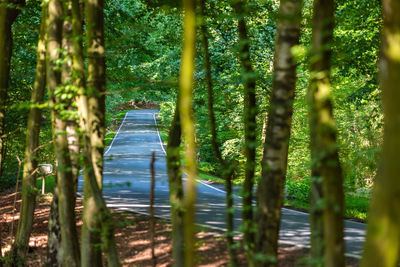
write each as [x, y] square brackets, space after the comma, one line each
[208, 177]
[355, 207]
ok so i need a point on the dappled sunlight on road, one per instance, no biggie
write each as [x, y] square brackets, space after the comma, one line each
[127, 185]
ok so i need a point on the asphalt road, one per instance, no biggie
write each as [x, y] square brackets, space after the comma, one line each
[127, 185]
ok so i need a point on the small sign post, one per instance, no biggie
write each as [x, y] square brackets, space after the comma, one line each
[45, 170]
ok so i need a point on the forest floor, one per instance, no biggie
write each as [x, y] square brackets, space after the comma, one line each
[132, 237]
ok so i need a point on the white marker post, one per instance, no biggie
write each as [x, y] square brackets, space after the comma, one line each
[44, 170]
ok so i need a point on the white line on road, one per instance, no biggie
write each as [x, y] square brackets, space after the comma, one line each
[162, 146]
[158, 132]
[115, 136]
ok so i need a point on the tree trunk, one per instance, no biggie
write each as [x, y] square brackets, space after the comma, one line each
[92, 112]
[69, 239]
[8, 14]
[91, 239]
[53, 250]
[28, 191]
[276, 146]
[187, 124]
[324, 152]
[152, 219]
[250, 127]
[67, 80]
[176, 189]
[225, 166]
[382, 244]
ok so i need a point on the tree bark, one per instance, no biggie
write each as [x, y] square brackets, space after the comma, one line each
[227, 167]
[382, 244]
[276, 146]
[187, 124]
[324, 152]
[176, 189]
[91, 239]
[53, 250]
[250, 127]
[28, 192]
[69, 238]
[67, 80]
[92, 112]
[9, 10]
[152, 219]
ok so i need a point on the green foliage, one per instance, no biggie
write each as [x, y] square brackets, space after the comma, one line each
[298, 189]
[143, 41]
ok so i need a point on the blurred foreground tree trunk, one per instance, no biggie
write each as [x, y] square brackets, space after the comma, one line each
[382, 244]
[276, 146]
[9, 10]
[187, 125]
[176, 194]
[66, 207]
[227, 167]
[250, 127]
[326, 168]
[28, 192]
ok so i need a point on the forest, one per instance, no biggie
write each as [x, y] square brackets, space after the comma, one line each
[278, 104]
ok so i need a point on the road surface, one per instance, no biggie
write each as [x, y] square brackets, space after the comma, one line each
[127, 184]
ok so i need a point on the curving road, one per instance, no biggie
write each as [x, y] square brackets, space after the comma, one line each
[127, 185]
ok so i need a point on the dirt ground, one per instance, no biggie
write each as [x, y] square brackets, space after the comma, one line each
[132, 237]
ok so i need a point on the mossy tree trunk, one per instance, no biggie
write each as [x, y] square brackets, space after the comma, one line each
[68, 82]
[9, 10]
[382, 244]
[227, 167]
[276, 146]
[97, 222]
[250, 127]
[326, 166]
[65, 185]
[53, 249]
[187, 125]
[176, 195]
[91, 239]
[28, 192]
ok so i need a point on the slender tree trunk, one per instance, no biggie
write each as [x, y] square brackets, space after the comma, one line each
[91, 239]
[316, 220]
[250, 127]
[92, 112]
[382, 245]
[8, 14]
[276, 146]
[69, 239]
[152, 219]
[53, 250]
[28, 191]
[91, 254]
[67, 80]
[187, 124]
[225, 166]
[324, 152]
[176, 189]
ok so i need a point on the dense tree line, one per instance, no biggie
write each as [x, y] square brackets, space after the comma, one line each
[267, 93]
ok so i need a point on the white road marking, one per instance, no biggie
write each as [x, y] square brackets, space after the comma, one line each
[158, 132]
[115, 136]
[199, 181]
